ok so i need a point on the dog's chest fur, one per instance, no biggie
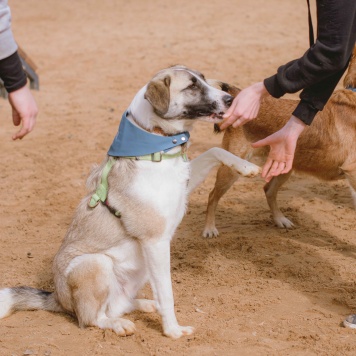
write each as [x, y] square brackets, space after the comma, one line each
[162, 189]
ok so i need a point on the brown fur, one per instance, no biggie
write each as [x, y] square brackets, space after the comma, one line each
[326, 149]
[158, 94]
[350, 78]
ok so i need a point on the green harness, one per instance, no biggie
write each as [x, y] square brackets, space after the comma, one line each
[101, 193]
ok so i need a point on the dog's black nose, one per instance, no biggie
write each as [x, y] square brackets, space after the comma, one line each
[227, 99]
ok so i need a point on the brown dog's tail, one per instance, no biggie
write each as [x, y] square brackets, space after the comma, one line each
[26, 298]
[350, 78]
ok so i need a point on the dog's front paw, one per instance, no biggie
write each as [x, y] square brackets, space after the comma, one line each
[248, 169]
[283, 223]
[210, 232]
[175, 332]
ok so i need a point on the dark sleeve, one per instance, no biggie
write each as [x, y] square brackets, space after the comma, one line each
[12, 73]
[319, 70]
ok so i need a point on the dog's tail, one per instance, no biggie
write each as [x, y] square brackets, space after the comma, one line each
[26, 298]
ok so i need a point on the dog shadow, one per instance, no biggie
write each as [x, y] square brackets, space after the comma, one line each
[300, 257]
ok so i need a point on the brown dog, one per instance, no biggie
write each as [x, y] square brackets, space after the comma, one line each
[326, 149]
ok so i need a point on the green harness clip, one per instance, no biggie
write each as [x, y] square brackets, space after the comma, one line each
[101, 192]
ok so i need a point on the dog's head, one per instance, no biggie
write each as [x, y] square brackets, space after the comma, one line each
[180, 93]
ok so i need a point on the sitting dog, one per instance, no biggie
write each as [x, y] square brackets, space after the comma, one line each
[326, 149]
[121, 231]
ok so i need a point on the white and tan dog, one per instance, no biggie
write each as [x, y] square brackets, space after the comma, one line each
[112, 249]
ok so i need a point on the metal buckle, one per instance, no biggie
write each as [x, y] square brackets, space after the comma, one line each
[156, 157]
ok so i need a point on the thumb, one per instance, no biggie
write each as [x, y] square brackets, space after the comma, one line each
[230, 110]
[16, 118]
[261, 143]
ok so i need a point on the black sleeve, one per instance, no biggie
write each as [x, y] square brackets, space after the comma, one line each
[12, 73]
[319, 70]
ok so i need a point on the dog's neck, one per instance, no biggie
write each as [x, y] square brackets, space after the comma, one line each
[141, 114]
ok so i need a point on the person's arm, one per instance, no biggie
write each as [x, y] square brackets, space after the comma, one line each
[283, 144]
[24, 108]
[8, 45]
[319, 70]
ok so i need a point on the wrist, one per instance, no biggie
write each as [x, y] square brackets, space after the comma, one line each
[260, 89]
[296, 125]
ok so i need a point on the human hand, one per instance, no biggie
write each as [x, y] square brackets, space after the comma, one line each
[283, 144]
[24, 111]
[245, 106]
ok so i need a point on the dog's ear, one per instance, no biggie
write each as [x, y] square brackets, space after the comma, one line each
[231, 89]
[157, 94]
[228, 88]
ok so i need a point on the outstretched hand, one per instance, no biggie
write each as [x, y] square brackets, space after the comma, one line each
[245, 106]
[283, 144]
[24, 111]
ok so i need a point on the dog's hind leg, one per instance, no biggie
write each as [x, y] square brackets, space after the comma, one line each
[225, 178]
[271, 191]
[202, 165]
[98, 299]
[157, 259]
[145, 305]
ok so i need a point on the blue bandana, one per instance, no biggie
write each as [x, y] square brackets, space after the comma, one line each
[132, 141]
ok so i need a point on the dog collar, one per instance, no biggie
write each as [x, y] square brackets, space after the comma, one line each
[132, 141]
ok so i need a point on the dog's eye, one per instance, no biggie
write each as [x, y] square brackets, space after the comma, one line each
[193, 86]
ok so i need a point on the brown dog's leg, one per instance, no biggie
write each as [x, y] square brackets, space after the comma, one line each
[225, 178]
[350, 172]
[271, 191]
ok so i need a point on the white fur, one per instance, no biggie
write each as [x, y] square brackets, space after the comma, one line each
[6, 302]
[353, 194]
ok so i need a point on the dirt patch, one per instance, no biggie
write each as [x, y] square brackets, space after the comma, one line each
[253, 290]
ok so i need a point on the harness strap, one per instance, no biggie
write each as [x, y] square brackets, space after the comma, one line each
[101, 193]
[113, 211]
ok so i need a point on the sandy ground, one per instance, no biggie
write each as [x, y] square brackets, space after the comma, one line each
[254, 290]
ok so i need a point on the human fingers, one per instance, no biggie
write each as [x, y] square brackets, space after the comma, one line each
[279, 167]
[27, 126]
[21, 134]
[226, 123]
[24, 111]
[229, 117]
[273, 171]
[288, 166]
[261, 143]
[266, 167]
[231, 109]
